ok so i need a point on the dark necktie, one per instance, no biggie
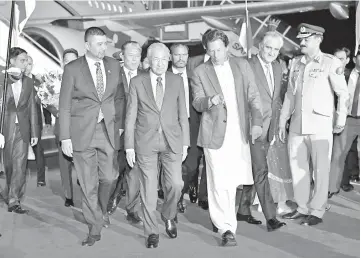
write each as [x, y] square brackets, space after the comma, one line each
[356, 97]
[100, 84]
[159, 93]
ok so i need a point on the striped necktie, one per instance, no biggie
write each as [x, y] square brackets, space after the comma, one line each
[100, 83]
[159, 93]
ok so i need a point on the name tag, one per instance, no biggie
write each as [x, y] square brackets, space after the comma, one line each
[315, 73]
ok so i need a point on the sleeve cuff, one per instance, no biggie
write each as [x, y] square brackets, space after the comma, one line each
[341, 119]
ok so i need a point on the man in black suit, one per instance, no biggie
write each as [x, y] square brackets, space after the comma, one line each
[179, 57]
[268, 75]
[38, 149]
[131, 55]
[20, 129]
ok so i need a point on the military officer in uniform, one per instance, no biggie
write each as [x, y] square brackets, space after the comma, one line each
[314, 79]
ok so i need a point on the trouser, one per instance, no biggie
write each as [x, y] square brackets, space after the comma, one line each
[172, 183]
[15, 159]
[341, 146]
[259, 152]
[65, 164]
[40, 160]
[96, 168]
[352, 167]
[318, 147]
[47, 116]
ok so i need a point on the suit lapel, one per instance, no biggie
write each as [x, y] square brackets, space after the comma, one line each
[148, 88]
[88, 77]
[261, 76]
[124, 79]
[212, 76]
[277, 75]
[108, 78]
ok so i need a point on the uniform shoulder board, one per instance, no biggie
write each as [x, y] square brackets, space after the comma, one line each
[329, 56]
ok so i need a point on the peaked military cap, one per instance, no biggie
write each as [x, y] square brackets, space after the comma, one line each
[305, 30]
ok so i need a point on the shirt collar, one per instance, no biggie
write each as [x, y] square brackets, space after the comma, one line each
[206, 57]
[92, 62]
[263, 63]
[126, 71]
[176, 71]
[154, 77]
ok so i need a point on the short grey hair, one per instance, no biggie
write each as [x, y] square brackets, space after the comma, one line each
[155, 46]
[272, 34]
[131, 43]
[176, 45]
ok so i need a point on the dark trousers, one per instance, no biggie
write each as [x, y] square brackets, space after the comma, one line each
[15, 159]
[352, 164]
[40, 160]
[96, 168]
[172, 183]
[65, 164]
[130, 178]
[47, 116]
[260, 176]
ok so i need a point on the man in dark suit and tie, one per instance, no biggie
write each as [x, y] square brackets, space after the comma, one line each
[268, 75]
[90, 118]
[131, 55]
[38, 148]
[20, 129]
[156, 127]
[65, 162]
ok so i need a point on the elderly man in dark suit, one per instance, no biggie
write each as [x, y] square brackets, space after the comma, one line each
[224, 90]
[90, 119]
[131, 55]
[20, 129]
[157, 127]
[268, 75]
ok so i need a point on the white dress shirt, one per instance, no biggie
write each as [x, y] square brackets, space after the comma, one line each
[206, 57]
[153, 80]
[185, 84]
[352, 83]
[264, 67]
[126, 71]
[16, 87]
[93, 71]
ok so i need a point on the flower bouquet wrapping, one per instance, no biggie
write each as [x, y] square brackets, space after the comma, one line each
[48, 91]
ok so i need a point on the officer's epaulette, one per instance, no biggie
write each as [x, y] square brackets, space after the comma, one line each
[329, 56]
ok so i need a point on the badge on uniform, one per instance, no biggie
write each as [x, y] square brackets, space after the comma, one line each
[340, 70]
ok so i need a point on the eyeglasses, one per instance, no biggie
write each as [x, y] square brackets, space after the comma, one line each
[160, 60]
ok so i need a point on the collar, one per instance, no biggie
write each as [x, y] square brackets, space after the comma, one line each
[263, 63]
[316, 58]
[126, 71]
[92, 62]
[226, 63]
[153, 76]
[206, 57]
[176, 71]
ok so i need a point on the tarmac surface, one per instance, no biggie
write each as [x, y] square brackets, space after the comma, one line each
[54, 231]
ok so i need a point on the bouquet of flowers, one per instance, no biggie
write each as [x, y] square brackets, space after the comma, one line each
[49, 89]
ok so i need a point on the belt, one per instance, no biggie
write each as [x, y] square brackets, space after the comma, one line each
[355, 117]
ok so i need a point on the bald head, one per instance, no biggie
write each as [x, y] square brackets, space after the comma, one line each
[158, 55]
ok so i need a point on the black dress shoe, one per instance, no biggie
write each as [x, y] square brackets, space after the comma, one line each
[311, 221]
[355, 179]
[294, 215]
[214, 228]
[193, 194]
[69, 202]
[133, 218]
[152, 241]
[113, 204]
[228, 239]
[90, 240]
[41, 184]
[17, 209]
[171, 228]
[274, 224]
[77, 182]
[181, 206]
[248, 218]
[332, 194]
[203, 204]
[347, 187]
[160, 194]
[2, 174]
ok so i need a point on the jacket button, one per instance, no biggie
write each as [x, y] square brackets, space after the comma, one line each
[224, 121]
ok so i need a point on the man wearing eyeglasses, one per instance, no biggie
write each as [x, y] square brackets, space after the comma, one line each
[157, 128]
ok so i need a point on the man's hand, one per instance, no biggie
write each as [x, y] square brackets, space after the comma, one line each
[338, 129]
[121, 131]
[185, 153]
[67, 147]
[217, 100]
[282, 133]
[256, 132]
[33, 141]
[130, 157]
[2, 141]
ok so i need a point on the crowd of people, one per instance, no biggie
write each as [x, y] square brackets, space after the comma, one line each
[144, 128]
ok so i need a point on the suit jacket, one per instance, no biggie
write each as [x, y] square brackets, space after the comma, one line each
[193, 63]
[205, 85]
[271, 105]
[25, 111]
[143, 118]
[79, 103]
[36, 82]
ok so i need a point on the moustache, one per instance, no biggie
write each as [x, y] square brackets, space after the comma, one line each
[302, 46]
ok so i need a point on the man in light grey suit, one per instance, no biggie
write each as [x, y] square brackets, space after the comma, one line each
[91, 122]
[156, 127]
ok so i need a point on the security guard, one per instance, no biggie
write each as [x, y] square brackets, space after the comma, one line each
[309, 101]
